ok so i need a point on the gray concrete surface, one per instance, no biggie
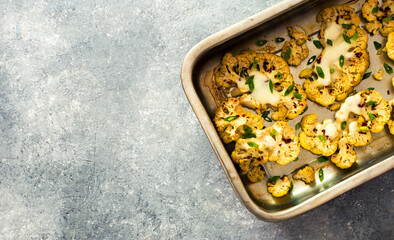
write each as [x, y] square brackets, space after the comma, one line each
[98, 140]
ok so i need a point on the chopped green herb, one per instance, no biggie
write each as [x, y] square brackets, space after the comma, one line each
[375, 9]
[287, 54]
[311, 60]
[332, 70]
[346, 38]
[248, 129]
[298, 126]
[341, 60]
[363, 128]
[295, 160]
[243, 73]
[329, 42]
[318, 44]
[261, 42]
[389, 70]
[367, 75]
[371, 88]
[255, 64]
[343, 125]
[346, 26]
[271, 85]
[230, 118]
[289, 89]
[388, 18]
[320, 72]
[265, 116]
[377, 45]
[305, 109]
[297, 95]
[322, 159]
[250, 83]
[253, 145]
[321, 175]
[322, 138]
[291, 186]
[370, 103]
[273, 179]
[311, 79]
[355, 36]
[249, 135]
[279, 39]
[273, 133]
[371, 116]
[278, 75]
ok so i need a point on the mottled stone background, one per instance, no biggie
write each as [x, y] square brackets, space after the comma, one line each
[98, 139]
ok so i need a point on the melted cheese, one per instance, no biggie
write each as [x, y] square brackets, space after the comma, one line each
[329, 128]
[331, 54]
[350, 105]
[262, 92]
[353, 127]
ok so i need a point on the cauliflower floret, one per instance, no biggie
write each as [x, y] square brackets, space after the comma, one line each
[306, 174]
[248, 154]
[376, 16]
[296, 53]
[318, 138]
[373, 27]
[343, 62]
[277, 143]
[256, 174]
[231, 119]
[295, 50]
[280, 187]
[379, 75]
[346, 155]
[369, 10]
[370, 105]
[390, 46]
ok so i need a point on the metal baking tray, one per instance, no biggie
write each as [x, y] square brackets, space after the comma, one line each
[373, 159]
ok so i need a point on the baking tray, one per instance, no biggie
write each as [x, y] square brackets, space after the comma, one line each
[373, 159]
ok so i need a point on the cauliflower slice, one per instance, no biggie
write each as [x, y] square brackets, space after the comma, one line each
[277, 143]
[231, 119]
[280, 187]
[379, 75]
[390, 46]
[346, 155]
[321, 139]
[262, 79]
[295, 50]
[256, 174]
[307, 174]
[342, 63]
[370, 105]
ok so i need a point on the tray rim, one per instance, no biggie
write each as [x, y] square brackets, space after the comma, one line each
[228, 167]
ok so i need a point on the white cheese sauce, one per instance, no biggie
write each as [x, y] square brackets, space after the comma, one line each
[329, 128]
[262, 92]
[331, 54]
[353, 127]
[350, 105]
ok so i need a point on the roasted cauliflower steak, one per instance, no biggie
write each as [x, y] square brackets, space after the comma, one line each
[262, 80]
[344, 59]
